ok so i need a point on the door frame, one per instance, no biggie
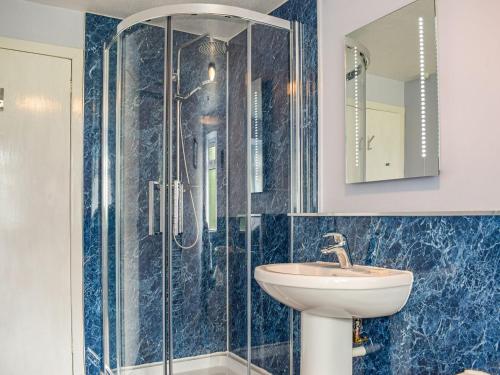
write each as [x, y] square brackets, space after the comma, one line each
[76, 183]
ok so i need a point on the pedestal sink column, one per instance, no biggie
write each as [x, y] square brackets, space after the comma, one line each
[326, 345]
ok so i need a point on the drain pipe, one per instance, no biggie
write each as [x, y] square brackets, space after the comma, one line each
[361, 351]
[358, 340]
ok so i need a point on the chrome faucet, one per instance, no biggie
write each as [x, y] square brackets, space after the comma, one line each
[339, 247]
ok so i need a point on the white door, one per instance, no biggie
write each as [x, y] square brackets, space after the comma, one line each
[355, 155]
[35, 276]
[384, 145]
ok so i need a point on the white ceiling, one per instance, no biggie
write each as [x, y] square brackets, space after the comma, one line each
[393, 42]
[125, 8]
[218, 27]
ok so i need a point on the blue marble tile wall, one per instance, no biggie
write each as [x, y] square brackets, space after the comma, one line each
[270, 322]
[143, 95]
[199, 275]
[97, 30]
[270, 225]
[237, 196]
[200, 272]
[141, 138]
[269, 208]
[143, 83]
[305, 12]
[451, 320]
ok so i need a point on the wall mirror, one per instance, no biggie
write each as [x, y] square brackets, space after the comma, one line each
[391, 112]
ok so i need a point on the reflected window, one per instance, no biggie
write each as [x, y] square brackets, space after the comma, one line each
[211, 168]
[257, 145]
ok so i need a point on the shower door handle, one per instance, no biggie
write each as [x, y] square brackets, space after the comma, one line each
[153, 186]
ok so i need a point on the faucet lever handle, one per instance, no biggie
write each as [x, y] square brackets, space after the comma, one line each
[338, 238]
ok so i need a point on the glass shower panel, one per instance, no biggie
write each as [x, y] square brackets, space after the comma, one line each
[270, 230]
[238, 212]
[140, 148]
[200, 195]
[198, 254]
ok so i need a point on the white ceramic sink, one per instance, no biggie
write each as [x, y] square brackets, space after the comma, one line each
[327, 290]
[329, 297]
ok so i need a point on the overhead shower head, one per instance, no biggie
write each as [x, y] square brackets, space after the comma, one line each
[212, 47]
[209, 47]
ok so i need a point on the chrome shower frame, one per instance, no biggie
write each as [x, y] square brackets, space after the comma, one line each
[165, 14]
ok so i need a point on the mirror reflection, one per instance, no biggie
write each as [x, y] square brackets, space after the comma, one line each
[391, 97]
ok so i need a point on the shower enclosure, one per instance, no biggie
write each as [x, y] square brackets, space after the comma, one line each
[201, 143]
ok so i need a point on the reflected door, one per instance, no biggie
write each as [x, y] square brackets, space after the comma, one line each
[385, 137]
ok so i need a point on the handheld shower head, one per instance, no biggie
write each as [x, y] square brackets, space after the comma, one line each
[194, 91]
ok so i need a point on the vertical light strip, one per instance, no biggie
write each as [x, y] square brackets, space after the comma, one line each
[356, 106]
[423, 118]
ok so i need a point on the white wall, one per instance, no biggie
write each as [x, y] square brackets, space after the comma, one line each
[469, 95]
[385, 90]
[41, 23]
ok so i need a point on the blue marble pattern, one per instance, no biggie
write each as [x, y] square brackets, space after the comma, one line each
[270, 320]
[237, 198]
[141, 141]
[199, 288]
[97, 31]
[269, 223]
[305, 12]
[270, 338]
[199, 273]
[451, 320]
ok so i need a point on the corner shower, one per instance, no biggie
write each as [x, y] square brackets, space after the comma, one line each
[202, 120]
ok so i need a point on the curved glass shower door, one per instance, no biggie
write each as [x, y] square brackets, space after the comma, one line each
[198, 187]
[198, 256]
[140, 153]
[133, 194]
[230, 163]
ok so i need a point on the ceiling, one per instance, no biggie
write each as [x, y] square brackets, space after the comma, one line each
[394, 45]
[218, 27]
[125, 8]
